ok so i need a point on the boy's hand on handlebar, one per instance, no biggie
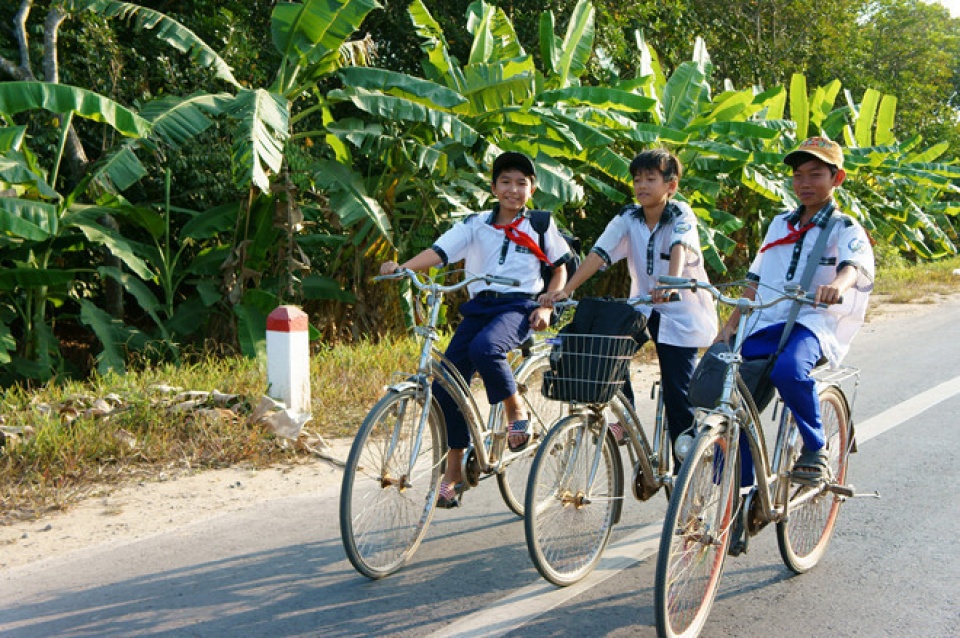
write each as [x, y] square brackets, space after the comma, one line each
[548, 298]
[829, 294]
[389, 267]
[540, 318]
[664, 295]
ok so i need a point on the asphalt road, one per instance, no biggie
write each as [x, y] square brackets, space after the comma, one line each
[278, 569]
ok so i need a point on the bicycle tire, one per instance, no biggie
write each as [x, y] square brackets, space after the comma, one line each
[696, 535]
[385, 509]
[804, 536]
[543, 413]
[565, 534]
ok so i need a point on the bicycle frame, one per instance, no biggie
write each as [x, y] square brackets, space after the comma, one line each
[653, 460]
[734, 412]
[433, 365]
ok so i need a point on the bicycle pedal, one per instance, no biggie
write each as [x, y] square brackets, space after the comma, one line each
[849, 491]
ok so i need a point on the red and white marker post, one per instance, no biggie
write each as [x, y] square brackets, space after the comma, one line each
[288, 358]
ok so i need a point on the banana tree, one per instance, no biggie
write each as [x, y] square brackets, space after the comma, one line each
[899, 189]
[427, 142]
[47, 233]
[498, 100]
[266, 264]
[733, 144]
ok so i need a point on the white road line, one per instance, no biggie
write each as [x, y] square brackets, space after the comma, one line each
[523, 605]
[902, 412]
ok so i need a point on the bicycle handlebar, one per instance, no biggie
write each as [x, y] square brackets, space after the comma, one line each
[425, 282]
[640, 300]
[793, 293]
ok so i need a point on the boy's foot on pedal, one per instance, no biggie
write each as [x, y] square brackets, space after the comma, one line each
[518, 435]
[449, 495]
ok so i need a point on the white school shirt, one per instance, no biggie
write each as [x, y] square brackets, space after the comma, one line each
[783, 265]
[690, 322]
[487, 251]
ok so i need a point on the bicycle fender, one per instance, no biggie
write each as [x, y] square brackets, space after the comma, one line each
[410, 383]
[823, 385]
[710, 421]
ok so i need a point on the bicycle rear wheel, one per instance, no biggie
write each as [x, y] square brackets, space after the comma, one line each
[804, 536]
[568, 520]
[696, 535]
[389, 489]
[543, 413]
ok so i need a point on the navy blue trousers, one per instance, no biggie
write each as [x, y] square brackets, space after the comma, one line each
[676, 369]
[490, 329]
[791, 377]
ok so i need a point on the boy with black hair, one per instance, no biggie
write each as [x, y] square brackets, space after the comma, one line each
[496, 319]
[845, 270]
[658, 236]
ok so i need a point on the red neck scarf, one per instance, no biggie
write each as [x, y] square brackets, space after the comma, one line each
[790, 238]
[520, 238]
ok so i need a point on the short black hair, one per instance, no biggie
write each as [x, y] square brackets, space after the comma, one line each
[513, 160]
[657, 159]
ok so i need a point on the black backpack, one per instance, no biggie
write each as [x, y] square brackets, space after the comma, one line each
[540, 221]
[591, 355]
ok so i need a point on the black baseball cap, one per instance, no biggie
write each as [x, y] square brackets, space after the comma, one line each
[515, 160]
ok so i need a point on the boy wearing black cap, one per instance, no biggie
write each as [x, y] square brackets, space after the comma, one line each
[496, 319]
[843, 279]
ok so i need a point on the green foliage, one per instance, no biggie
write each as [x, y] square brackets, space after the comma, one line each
[338, 165]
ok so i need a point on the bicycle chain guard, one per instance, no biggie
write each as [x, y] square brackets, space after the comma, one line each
[640, 490]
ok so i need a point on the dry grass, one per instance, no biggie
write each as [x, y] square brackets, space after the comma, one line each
[902, 282]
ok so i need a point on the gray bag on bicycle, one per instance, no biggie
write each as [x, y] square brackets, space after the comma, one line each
[707, 381]
[591, 355]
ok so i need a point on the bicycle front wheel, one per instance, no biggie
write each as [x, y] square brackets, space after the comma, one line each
[543, 413]
[568, 517]
[390, 483]
[804, 536]
[696, 535]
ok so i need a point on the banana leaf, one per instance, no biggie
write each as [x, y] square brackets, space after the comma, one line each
[17, 97]
[167, 30]
[261, 132]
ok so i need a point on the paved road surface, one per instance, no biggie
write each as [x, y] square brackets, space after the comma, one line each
[278, 569]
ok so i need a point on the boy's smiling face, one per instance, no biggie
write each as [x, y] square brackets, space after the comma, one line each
[513, 190]
[814, 181]
[652, 190]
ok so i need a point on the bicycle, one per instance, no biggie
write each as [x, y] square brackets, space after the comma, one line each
[697, 529]
[392, 474]
[575, 489]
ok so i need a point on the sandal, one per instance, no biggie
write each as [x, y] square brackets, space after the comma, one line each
[619, 432]
[811, 467]
[449, 495]
[517, 429]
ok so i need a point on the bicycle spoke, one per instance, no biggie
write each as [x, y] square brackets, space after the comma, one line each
[389, 486]
[569, 520]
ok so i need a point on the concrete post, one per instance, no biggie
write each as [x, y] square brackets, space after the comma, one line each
[288, 358]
